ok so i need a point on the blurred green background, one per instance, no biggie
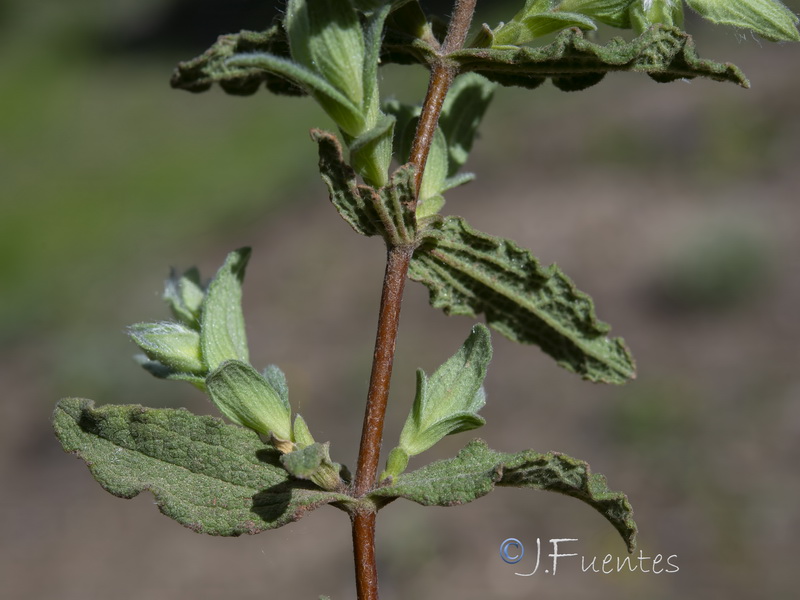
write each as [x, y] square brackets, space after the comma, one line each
[674, 206]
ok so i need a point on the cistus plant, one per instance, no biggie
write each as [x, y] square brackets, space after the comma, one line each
[266, 469]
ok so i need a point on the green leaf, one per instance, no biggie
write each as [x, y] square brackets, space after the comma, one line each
[406, 119]
[665, 12]
[610, 12]
[199, 74]
[768, 18]
[408, 37]
[573, 63]
[477, 469]
[162, 371]
[469, 272]
[408, 16]
[345, 113]
[430, 207]
[222, 332]
[184, 295]
[354, 202]
[368, 211]
[534, 26]
[247, 398]
[211, 328]
[373, 159]
[300, 433]
[373, 35]
[457, 180]
[396, 463]
[436, 168]
[210, 477]
[462, 112]
[371, 152]
[172, 344]
[325, 36]
[448, 402]
[277, 380]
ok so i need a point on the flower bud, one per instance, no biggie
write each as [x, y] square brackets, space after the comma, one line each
[325, 36]
[244, 396]
[185, 295]
[172, 344]
[314, 464]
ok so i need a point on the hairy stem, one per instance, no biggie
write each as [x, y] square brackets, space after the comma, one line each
[459, 25]
[388, 320]
[364, 554]
[398, 259]
[442, 75]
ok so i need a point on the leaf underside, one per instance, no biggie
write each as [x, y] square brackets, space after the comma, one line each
[573, 63]
[368, 211]
[468, 273]
[198, 74]
[211, 477]
[354, 202]
[221, 479]
[477, 469]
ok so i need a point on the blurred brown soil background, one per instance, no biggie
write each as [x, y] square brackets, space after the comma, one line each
[674, 206]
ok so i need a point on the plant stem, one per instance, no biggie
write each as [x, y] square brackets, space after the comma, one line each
[394, 282]
[458, 28]
[398, 259]
[442, 75]
[364, 555]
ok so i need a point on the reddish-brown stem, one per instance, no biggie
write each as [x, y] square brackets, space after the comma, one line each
[442, 76]
[364, 554]
[394, 282]
[398, 260]
[459, 25]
